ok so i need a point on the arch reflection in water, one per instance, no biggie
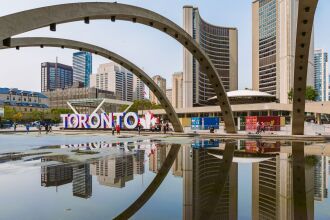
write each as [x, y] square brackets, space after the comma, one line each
[285, 182]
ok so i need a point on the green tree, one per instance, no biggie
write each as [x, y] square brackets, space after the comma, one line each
[140, 105]
[310, 94]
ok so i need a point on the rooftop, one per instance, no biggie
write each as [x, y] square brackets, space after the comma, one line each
[21, 92]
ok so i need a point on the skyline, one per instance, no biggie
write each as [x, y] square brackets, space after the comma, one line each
[136, 42]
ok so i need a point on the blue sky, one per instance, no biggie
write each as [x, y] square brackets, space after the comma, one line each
[148, 48]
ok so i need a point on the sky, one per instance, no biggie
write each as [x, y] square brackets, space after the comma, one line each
[148, 48]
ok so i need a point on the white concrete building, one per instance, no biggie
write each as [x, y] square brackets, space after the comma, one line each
[274, 27]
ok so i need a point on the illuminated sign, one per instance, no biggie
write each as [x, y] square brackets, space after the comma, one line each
[108, 120]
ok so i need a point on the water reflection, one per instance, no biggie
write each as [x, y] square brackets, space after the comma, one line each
[286, 177]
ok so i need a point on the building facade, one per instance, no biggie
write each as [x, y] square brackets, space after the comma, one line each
[177, 90]
[321, 75]
[169, 94]
[221, 45]
[55, 76]
[274, 27]
[115, 78]
[161, 82]
[59, 98]
[138, 89]
[23, 101]
[82, 67]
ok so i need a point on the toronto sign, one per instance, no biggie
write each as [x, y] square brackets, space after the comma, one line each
[128, 120]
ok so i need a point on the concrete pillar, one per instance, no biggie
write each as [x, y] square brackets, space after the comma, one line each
[269, 113]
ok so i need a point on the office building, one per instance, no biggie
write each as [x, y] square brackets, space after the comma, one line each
[169, 94]
[272, 188]
[221, 46]
[321, 170]
[55, 175]
[161, 82]
[55, 76]
[177, 90]
[115, 171]
[274, 27]
[82, 67]
[138, 88]
[59, 98]
[138, 162]
[321, 75]
[22, 100]
[82, 181]
[115, 78]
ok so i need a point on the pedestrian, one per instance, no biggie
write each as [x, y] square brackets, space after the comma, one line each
[27, 126]
[39, 127]
[113, 130]
[167, 126]
[118, 129]
[262, 127]
[15, 125]
[139, 128]
[50, 128]
[258, 128]
[164, 128]
[46, 128]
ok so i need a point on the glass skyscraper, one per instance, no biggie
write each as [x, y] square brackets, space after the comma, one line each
[55, 76]
[82, 67]
[321, 75]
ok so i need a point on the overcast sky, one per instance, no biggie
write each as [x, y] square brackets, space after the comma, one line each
[148, 48]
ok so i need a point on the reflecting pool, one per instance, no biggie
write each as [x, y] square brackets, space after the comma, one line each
[165, 178]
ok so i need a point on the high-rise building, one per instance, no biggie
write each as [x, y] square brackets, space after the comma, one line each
[321, 170]
[169, 94]
[321, 75]
[177, 90]
[161, 82]
[115, 78]
[138, 88]
[55, 76]
[221, 45]
[274, 27]
[82, 181]
[82, 67]
[114, 171]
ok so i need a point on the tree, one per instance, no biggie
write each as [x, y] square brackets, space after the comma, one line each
[140, 105]
[310, 94]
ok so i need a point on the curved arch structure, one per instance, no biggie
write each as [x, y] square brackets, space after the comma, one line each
[64, 43]
[305, 22]
[25, 21]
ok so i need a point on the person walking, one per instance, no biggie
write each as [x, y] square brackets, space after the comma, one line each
[139, 128]
[118, 129]
[46, 128]
[27, 126]
[167, 126]
[258, 128]
[262, 127]
[39, 127]
[113, 130]
[15, 126]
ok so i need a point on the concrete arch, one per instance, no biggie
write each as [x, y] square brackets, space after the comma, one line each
[64, 43]
[305, 22]
[25, 21]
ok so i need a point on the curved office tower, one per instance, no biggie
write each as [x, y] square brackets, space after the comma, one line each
[220, 44]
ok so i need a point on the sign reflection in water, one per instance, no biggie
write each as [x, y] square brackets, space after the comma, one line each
[273, 191]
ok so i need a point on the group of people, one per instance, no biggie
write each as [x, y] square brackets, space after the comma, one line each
[261, 127]
[48, 127]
